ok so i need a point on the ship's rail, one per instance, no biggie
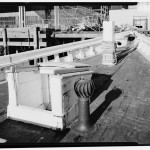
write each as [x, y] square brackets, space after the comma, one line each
[61, 53]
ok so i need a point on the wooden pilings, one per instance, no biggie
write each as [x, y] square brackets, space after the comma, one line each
[36, 37]
[22, 16]
[23, 37]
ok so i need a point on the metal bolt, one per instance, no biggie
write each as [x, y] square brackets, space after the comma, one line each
[84, 89]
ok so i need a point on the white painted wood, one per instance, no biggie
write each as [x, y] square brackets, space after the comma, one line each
[12, 88]
[89, 52]
[26, 68]
[64, 64]
[43, 44]
[56, 95]
[98, 49]
[24, 77]
[75, 54]
[56, 17]
[81, 54]
[46, 91]
[108, 59]
[25, 56]
[64, 59]
[57, 59]
[57, 70]
[30, 89]
[70, 57]
[31, 55]
[45, 59]
[43, 99]
[35, 116]
[5, 60]
[108, 31]
[35, 61]
[74, 74]
[22, 16]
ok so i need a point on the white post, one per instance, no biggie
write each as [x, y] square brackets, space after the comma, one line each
[56, 17]
[22, 16]
[108, 31]
[12, 86]
[108, 44]
[81, 54]
[56, 95]
[57, 59]
[70, 57]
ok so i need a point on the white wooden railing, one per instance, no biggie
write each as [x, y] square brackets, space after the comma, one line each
[72, 51]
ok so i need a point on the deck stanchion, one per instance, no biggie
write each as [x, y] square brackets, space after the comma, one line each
[84, 89]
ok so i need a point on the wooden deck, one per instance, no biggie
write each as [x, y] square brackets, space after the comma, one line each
[120, 108]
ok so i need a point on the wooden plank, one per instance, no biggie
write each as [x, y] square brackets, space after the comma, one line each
[23, 43]
[18, 35]
[20, 29]
[57, 70]
[5, 61]
[29, 115]
[64, 65]
[76, 35]
[42, 36]
[22, 35]
[56, 17]
[44, 44]
[20, 43]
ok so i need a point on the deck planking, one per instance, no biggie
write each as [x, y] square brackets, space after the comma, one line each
[126, 118]
[119, 108]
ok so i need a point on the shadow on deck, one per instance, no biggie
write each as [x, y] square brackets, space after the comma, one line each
[110, 96]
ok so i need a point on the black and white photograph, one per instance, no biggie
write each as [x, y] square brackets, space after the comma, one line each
[74, 74]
